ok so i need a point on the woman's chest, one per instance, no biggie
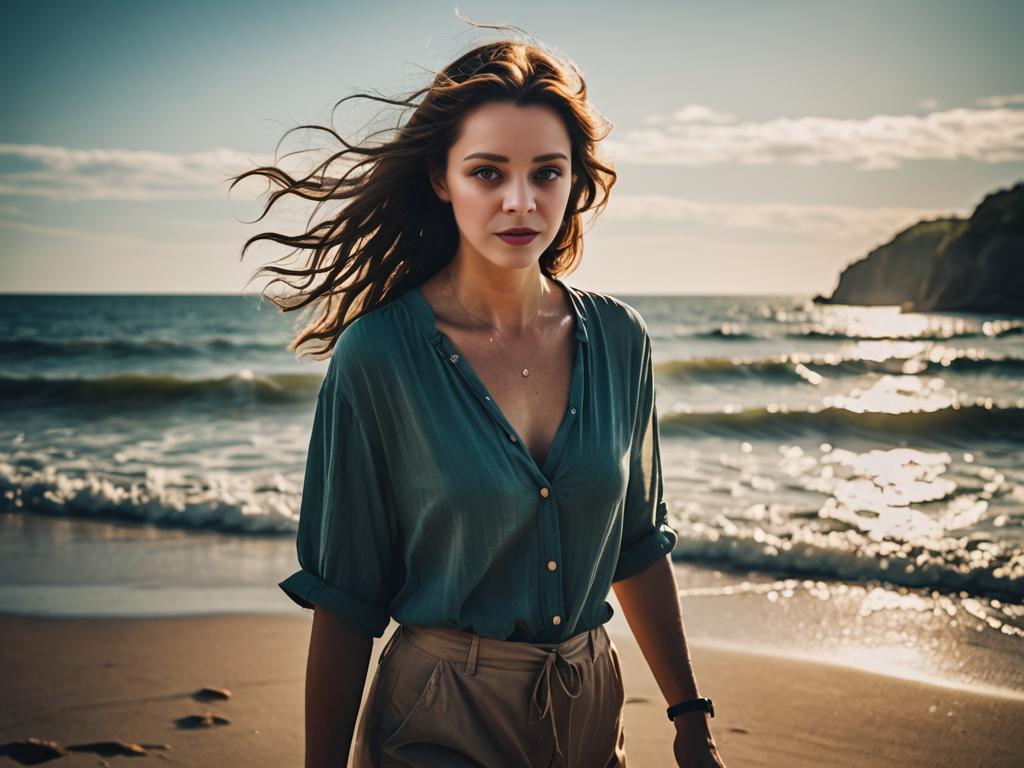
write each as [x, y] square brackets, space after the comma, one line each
[457, 435]
[531, 391]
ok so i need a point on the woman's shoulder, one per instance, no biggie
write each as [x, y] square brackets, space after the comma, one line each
[615, 316]
[370, 348]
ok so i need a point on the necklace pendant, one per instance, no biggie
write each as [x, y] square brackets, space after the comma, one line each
[526, 371]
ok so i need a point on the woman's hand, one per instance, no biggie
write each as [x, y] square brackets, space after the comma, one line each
[694, 745]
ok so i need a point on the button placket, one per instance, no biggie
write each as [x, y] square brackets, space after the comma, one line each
[553, 599]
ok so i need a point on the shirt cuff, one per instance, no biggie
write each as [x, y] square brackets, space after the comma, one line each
[641, 555]
[307, 589]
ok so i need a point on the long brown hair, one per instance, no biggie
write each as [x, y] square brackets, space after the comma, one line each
[394, 232]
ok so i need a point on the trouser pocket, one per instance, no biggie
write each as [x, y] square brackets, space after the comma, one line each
[407, 675]
[620, 684]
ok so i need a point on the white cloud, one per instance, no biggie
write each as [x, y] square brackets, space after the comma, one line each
[112, 241]
[60, 173]
[694, 135]
[699, 136]
[696, 113]
[828, 222]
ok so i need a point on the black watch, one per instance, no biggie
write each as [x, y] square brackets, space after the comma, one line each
[685, 706]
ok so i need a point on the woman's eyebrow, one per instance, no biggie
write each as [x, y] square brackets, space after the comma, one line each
[502, 159]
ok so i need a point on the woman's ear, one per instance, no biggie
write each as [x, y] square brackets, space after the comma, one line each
[437, 181]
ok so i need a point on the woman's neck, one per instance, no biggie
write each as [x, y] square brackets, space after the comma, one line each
[511, 300]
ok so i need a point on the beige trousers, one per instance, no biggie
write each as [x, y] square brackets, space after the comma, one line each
[445, 698]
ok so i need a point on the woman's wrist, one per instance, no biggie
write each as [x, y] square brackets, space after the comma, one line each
[694, 720]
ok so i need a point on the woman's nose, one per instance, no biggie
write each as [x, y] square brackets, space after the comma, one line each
[519, 198]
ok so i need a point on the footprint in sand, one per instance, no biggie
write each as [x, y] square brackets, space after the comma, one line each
[209, 693]
[33, 751]
[204, 720]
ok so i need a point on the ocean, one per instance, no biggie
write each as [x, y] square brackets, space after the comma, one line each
[847, 482]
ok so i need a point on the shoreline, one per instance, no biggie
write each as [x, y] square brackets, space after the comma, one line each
[107, 570]
[87, 680]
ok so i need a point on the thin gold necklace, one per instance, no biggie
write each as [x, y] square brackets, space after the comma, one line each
[525, 369]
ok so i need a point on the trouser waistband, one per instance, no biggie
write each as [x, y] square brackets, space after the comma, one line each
[470, 651]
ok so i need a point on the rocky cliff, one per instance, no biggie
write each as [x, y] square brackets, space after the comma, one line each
[969, 265]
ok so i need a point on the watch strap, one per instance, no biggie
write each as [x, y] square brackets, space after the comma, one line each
[701, 702]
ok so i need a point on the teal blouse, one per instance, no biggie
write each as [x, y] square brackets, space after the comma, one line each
[420, 501]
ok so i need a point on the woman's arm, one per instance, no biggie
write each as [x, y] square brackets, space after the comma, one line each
[335, 675]
[650, 603]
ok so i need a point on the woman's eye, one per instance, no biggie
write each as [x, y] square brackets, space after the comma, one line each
[480, 171]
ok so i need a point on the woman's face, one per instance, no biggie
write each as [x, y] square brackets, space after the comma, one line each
[510, 167]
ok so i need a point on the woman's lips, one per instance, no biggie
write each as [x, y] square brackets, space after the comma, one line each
[521, 239]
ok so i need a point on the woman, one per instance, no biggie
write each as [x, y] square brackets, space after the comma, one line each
[484, 459]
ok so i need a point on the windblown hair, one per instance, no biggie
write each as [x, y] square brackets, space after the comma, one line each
[393, 232]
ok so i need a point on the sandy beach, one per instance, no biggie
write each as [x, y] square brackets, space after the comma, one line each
[83, 681]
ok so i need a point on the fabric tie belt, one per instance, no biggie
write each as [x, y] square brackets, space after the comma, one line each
[540, 700]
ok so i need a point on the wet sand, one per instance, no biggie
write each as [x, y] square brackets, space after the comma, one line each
[84, 681]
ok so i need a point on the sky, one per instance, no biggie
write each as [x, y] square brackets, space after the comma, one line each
[761, 146]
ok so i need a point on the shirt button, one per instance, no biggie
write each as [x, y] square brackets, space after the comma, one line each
[544, 492]
[454, 358]
[512, 437]
[572, 411]
[556, 620]
[552, 565]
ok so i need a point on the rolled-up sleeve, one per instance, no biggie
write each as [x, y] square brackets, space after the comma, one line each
[647, 535]
[345, 539]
